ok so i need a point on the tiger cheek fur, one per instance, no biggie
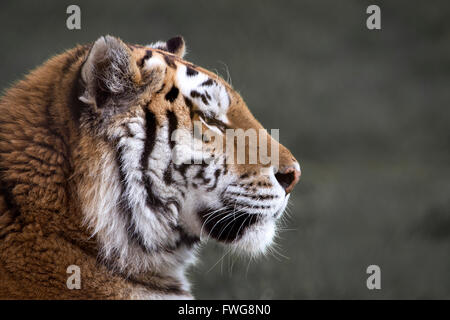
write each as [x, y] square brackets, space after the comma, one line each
[136, 191]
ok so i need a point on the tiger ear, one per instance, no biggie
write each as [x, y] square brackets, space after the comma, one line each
[174, 45]
[111, 76]
[106, 72]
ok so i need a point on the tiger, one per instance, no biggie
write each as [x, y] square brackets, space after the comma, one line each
[92, 178]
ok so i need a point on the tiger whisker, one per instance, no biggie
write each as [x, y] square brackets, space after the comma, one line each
[210, 216]
[215, 264]
[233, 220]
[243, 223]
[226, 217]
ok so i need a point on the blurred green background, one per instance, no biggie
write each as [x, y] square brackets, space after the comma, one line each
[366, 113]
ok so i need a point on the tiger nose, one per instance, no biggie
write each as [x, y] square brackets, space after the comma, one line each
[288, 177]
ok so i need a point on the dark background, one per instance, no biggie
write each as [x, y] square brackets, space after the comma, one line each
[365, 112]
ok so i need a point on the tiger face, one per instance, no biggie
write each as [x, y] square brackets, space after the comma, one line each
[166, 171]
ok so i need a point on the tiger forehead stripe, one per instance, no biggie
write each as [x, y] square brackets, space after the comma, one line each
[208, 95]
[191, 72]
[208, 83]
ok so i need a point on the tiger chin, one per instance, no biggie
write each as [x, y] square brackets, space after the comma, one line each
[92, 176]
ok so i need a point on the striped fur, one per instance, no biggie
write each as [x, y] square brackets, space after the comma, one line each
[99, 169]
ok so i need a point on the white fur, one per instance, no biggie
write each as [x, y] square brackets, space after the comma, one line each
[220, 101]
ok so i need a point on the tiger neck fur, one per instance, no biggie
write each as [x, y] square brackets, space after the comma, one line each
[42, 208]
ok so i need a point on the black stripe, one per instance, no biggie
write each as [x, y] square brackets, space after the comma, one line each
[186, 239]
[211, 121]
[216, 177]
[225, 167]
[168, 180]
[201, 175]
[243, 176]
[207, 83]
[204, 99]
[150, 137]
[243, 205]
[167, 176]
[152, 200]
[191, 72]
[188, 102]
[173, 124]
[172, 94]
[182, 168]
[196, 94]
[190, 105]
[254, 197]
[148, 55]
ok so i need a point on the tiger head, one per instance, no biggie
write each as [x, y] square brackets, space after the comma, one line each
[159, 157]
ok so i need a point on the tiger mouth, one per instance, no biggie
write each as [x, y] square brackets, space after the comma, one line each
[227, 225]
